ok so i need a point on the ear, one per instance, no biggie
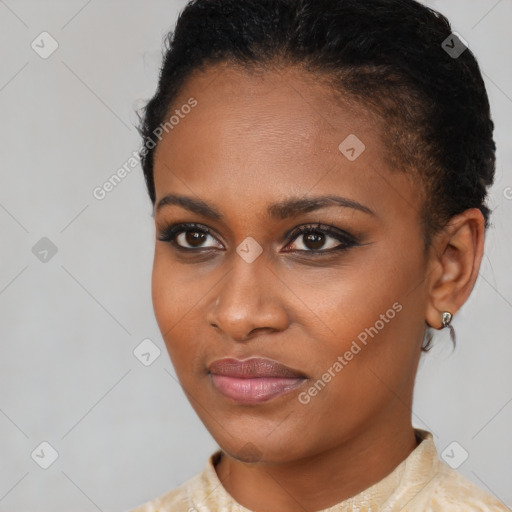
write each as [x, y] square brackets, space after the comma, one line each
[454, 262]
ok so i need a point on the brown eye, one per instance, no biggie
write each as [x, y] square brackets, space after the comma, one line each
[195, 238]
[313, 241]
[319, 239]
[188, 236]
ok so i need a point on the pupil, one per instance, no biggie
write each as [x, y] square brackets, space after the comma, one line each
[314, 239]
[195, 238]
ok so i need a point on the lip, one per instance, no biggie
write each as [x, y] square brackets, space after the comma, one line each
[253, 380]
[254, 367]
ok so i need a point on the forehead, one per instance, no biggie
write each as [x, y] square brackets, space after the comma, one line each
[269, 134]
[282, 107]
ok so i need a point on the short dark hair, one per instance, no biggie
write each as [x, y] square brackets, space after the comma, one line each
[386, 55]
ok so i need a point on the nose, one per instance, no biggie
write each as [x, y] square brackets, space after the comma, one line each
[250, 301]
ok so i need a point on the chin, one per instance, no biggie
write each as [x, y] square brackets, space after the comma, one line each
[258, 448]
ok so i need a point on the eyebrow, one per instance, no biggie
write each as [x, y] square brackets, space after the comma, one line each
[280, 210]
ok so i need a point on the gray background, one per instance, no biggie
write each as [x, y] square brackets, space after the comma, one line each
[124, 432]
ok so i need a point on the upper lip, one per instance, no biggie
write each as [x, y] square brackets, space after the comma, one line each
[255, 367]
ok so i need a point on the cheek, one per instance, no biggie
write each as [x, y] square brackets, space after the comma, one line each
[370, 314]
[173, 291]
[341, 303]
[162, 292]
[170, 302]
[177, 299]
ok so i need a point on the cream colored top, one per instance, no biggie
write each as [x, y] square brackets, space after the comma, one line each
[420, 483]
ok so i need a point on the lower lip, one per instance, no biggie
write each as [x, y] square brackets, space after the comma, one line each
[254, 390]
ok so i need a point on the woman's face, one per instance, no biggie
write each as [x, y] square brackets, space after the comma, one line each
[342, 309]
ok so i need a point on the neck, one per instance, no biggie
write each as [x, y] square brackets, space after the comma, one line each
[321, 481]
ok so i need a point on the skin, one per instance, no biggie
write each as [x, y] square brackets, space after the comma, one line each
[252, 140]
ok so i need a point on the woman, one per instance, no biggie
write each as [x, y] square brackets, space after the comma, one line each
[318, 171]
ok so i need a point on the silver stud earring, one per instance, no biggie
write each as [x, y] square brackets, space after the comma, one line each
[446, 319]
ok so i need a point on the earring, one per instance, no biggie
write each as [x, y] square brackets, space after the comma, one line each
[446, 319]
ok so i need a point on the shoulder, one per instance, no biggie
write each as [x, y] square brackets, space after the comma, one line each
[176, 500]
[450, 491]
[429, 484]
[202, 492]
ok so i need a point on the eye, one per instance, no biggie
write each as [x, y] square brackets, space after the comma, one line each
[314, 239]
[188, 236]
[321, 239]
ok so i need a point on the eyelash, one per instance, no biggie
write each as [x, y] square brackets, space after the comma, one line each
[169, 233]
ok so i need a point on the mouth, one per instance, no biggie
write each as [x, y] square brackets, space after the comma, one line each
[253, 380]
